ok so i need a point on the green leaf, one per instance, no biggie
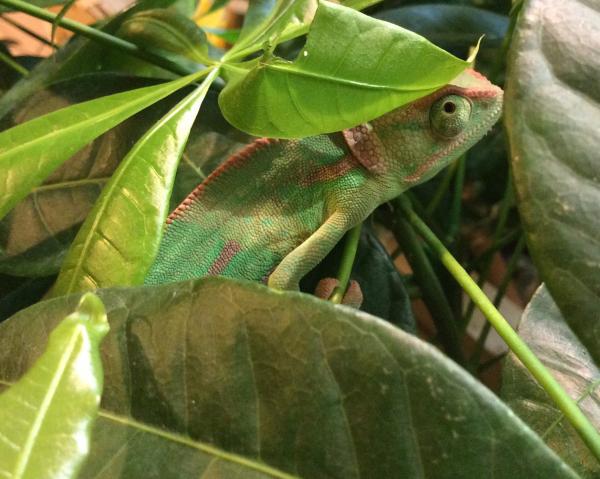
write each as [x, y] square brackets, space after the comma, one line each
[313, 389]
[352, 69]
[36, 233]
[31, 151]
[267, 19]
[80, 56]
[551, 339]
[119, 239]
[552, 117]
[454, 28]
[46, 417]
[167, 30]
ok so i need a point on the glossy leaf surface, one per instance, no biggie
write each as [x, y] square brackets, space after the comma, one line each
[119, 239]
[549, 336]
[29, 152]
[352, 69]
[309, 388]
[552, 116]
[167, 30]
[46, 417]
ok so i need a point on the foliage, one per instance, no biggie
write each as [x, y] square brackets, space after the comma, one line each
[224, 378]
[46, 417]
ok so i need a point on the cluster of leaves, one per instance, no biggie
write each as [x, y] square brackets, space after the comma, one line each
[225, 378]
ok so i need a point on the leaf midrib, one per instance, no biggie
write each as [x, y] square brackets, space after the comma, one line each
[45, 405]
[171, 436]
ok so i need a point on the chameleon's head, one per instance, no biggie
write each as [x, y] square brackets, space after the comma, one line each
[412, 143]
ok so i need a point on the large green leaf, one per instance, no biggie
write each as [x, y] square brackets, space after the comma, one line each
[552, 116]
[551, 339]
[313, 389]
[29, 152]
[352, 69]
[36, 234]
[46, 417]
[119, 239]
[454, 28]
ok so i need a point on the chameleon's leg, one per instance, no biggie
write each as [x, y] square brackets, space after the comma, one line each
[353, 296]
[305, 257]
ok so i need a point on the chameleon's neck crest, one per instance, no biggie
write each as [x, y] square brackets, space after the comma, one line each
[366, 147]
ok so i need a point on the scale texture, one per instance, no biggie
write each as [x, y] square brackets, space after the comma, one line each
[275, 209]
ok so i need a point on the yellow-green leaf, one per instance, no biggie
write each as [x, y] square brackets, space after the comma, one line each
[31, 151]
[46, 417]
[119, 240]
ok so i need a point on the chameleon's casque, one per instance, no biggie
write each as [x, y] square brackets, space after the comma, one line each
[276, 208]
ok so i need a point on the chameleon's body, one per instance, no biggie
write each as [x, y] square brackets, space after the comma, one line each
[275, 209]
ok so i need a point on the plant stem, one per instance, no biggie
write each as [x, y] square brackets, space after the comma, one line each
[543, 376]
[485, 269]
[510, 269]
[97, 35]
[348, 255]
[456, 205]
[27, 31]
[431, 289]
[13, 64]
[441, 189]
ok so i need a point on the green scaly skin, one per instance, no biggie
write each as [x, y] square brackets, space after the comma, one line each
[274, 210]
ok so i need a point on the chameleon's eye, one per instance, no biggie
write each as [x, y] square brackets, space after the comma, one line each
[450, 115]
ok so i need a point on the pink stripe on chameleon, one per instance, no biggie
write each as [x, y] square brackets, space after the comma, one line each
[330, 172]
[230, 249]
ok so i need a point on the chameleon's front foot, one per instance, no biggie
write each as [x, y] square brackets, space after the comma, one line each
[282, 282]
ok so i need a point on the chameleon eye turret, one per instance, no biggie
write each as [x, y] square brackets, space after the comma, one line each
[450, 115]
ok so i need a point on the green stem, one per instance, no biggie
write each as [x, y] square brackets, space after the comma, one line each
[97, 36]
[565, 403]
[456, 206]
[13, 64]
[510, 269]
[441, 189]
[431, 289]
[27, 31]
[485, 271]
[348, 255]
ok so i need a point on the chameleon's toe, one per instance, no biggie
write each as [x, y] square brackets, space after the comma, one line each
[352, 298]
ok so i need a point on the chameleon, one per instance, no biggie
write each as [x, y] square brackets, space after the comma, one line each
[273, 211]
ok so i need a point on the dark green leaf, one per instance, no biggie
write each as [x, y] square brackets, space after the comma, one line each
[19, 293]
[552, 117]
[548, 335]
[29, 152]
[46, 417]
[119, 239]
[455, 28]
[167, 30]
[352, 69]
[313, 389]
